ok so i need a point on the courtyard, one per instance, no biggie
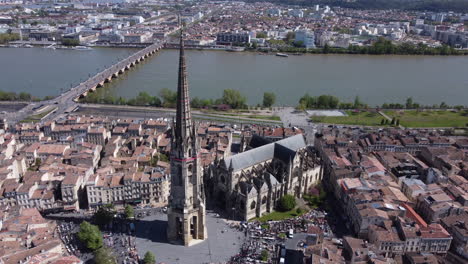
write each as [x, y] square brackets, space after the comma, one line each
[223, 241]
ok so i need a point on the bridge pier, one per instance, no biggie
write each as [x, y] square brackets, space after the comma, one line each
[117, 69]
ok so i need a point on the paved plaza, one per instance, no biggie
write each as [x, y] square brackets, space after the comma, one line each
[326, 113]
[222, 243]
[290, 117]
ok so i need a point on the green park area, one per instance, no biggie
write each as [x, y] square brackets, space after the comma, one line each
[406, 118]
[37, 117]
[430, 118]
[363, 118]
[287, 208]
[278, 215]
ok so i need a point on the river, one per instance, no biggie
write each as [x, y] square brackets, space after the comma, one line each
[376, 79]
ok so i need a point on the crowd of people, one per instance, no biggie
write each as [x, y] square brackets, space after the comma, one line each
[118, 237]
[270, 236]
[123, 246]
[67, 232]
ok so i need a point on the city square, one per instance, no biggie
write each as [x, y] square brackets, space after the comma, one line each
[223, 241]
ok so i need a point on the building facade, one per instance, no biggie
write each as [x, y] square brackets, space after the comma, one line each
[229, 38]
[306, 37]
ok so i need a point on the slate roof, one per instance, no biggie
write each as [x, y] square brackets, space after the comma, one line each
[273, 180]
[283, 149]
[258, 141]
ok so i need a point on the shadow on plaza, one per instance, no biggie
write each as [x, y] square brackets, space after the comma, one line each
[153, 230]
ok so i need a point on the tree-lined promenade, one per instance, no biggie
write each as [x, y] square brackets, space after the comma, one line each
[231, 99]
[22, 96]
[332, 102]
[381, 46]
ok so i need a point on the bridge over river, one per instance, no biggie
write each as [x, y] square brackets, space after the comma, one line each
[69, 99]
[113, 71]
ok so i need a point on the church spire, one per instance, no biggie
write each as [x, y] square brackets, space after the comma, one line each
[186, 209]
[184, 117]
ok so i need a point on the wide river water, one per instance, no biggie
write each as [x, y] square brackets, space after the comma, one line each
[376, 79]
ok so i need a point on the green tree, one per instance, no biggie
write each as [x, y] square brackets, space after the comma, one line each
[409, 103]
[357, 102]
[261, 35]
[7, 37]
[104, 215]
[443, 105]
[287, 203]
[201, 103]
[121, 101]
[196, 102]
[326, 49]
[149, 258]
[108, 99]
[268, 99]
[129, 212]
[169, 97]
[298, 44]
[155, 101]
[264, 255]
[104, 256]
[90, 236]
[234, 99]
[24, 96]
[163, 157]
[70, 42]
[143, 98]
[327, 101]
[154, 161]
[393, 121]
[382, 122]
[290, 36]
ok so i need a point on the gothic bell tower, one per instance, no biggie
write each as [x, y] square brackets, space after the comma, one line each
[186, 212]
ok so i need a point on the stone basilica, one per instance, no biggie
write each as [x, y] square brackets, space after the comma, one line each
[250, 184]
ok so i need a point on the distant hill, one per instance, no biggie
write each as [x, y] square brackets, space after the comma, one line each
[421, 5]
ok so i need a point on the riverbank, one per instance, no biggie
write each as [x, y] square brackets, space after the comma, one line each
[423, 118]
[381, 46]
